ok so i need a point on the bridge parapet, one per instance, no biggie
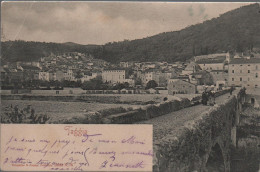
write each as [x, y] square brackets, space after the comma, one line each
[199, 141]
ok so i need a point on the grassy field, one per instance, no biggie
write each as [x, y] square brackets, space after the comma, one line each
[60, 110]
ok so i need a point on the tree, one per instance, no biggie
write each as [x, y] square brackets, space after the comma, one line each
[126, 85]
[78, 75]
[151, 84]
[138, 81]
[162, 81]
[93, 84]
[119, 86]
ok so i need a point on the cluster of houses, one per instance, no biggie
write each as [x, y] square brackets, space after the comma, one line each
[72, 66]
[218, 70]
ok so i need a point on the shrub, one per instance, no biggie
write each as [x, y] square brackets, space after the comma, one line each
[111, 111]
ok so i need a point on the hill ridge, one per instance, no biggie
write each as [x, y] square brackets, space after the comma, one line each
[236, 30]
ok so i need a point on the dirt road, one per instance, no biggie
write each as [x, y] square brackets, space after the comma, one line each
[172, 123]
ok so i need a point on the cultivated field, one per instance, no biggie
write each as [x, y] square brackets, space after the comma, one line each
[60, 110]
[63, 110]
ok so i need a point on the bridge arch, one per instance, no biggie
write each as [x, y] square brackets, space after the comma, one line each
[215, 162]
[235, 115]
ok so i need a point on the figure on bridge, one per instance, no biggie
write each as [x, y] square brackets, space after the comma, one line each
[211, 98]
[204, 98]
[231, 90]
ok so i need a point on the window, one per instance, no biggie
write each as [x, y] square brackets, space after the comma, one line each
[256, 67]
[248, 71]
[233, 71]
[232, 79]
[240, 79]
[241, 65]
[256, 75]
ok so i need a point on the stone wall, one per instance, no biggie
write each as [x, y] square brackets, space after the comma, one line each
[147, 112]
[191, 148]
[69, 98]
[155, 110]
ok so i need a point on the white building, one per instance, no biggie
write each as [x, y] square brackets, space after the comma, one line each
[124, 64]
[45, 76]
[52, 76]
[212, 56]
[244, 72]
[69, 75]
[113, 76]
[87, 77]
[216, 63]
[191, 68]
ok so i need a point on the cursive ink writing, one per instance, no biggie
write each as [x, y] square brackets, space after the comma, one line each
[132, 140]
[85, 156]
[87, 136]
[58, 142]
[149, 153]
[13, 148]
[76, 149]
[20, 160]
[106, 164]
[9, 141]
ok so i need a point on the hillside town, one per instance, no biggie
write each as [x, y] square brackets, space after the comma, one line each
[74, 69]
[172, 86]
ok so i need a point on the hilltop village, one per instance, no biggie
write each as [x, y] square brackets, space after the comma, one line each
[80, 70]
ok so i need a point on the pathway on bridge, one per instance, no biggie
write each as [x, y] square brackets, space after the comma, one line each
[172, 123]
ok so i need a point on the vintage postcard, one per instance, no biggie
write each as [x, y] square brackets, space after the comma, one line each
[76, 147]
[130, 86]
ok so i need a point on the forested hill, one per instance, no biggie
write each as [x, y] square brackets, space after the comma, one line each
[235, 30]
[29, 51]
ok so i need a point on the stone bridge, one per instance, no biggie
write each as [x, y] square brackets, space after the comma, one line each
[197, 138]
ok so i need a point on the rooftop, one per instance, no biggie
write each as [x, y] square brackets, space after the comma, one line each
[181, 77]
[30, 67]
[245, 61]
[113, 68]
[177, 80]
[218, 59]
[191, 66]
[200, 72]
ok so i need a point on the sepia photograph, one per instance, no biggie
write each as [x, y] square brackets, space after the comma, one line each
[130, 86]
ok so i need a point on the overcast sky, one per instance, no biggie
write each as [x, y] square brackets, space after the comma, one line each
[102, 22]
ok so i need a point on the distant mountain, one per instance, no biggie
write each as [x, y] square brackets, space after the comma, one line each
[71, 44]
[236, 30]
[29, 51]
